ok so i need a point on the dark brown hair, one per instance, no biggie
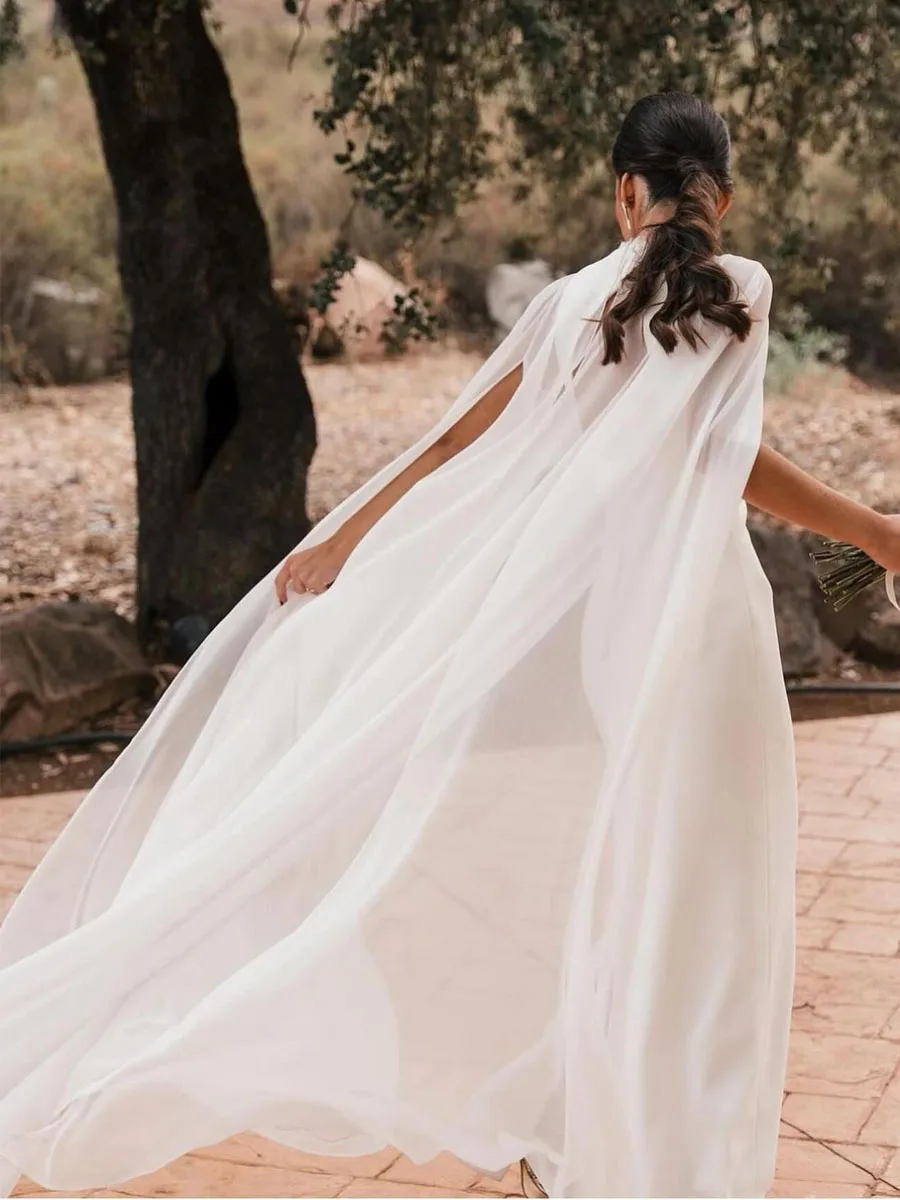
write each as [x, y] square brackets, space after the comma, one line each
[680, 146]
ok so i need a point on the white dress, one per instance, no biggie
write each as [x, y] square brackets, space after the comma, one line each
[488, 849]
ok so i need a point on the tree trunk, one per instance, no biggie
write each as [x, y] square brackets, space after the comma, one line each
[223, 422]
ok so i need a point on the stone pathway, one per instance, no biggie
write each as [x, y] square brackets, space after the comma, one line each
[841, 1119]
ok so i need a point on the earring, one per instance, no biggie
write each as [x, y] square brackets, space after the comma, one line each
[627, 216]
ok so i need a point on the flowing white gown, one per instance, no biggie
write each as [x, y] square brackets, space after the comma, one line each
[488, 849]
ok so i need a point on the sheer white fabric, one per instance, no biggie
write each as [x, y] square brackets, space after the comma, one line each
[488, 849]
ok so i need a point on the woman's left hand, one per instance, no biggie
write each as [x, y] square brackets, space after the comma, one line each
[313, 570]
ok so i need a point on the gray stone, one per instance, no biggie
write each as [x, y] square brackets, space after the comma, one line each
[877, 639]
[510, 289]
[68, 330]
[805, 647]
[65, 663]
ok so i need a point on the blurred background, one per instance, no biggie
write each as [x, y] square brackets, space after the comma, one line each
[140, 349]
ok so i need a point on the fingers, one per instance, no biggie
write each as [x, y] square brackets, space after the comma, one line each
[281, 581]
[313, 583]
[303, 576]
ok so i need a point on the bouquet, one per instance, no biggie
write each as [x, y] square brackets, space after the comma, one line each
[848, 572]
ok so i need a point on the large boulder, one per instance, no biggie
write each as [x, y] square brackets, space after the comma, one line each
[69, 330]
[875, 637]
[363, 305]
[511, 287]
[785, 557]
[64, 664]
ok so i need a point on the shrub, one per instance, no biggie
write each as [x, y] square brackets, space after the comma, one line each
[798, 348]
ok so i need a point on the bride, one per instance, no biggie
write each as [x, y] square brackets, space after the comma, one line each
[472, 827]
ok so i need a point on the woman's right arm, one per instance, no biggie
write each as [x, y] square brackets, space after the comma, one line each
[315, 569]
[784, 490]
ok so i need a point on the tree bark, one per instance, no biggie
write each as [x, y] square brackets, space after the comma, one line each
[223, 421]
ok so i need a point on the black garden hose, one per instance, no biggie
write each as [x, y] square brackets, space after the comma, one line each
[843, 689]
[57, 740]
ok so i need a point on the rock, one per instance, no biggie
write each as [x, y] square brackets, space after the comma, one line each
[877, 640]
[805, 648]
[292, 298]
[100, 542]
[363, 305]
[511, 287]
[185, 636]
[64, 664]
[68, 331]
[328, 344]
[868, 627]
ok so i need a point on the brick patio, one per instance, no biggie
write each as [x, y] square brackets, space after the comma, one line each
[841, 1120]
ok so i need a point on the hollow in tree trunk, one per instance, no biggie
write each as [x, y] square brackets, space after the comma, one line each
[223, 422]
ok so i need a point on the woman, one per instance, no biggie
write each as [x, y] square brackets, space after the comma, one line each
[481, 840]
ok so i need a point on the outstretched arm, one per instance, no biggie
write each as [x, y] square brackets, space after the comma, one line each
[782, 489]
[315, 569]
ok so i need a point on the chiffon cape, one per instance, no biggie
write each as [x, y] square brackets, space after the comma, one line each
[470, 852]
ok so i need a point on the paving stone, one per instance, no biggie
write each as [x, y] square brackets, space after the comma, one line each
[815, 933]
[870, 1157]
[891, 1172]
[798, 1159]
[201, 1177]
[831, 775]
[833, 752]
[13, 876]
[814, 800]
[870, 901]
[818, 854]
[883, 1127]
[886, 732]
[857, 1020]
[839, 1065]
[875, 827]
[866, 939]
[250, 1149]
[445, 1171]
[37, 818]
[382, 1187]
[809, 886]
[21, 852]
[827, 784]
[877, 784]
[845, 1051]
[837, 977]
[838, 1118]
[828, 731]
[509, 1185]
[786, 1189]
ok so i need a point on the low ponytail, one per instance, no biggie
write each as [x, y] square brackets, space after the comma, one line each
[680, 146]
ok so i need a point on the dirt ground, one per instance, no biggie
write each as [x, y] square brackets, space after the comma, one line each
[67, 512]
[67, 507]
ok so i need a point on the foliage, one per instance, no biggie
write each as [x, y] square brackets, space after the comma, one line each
[434, 99]
[333, 268]
[468, 122]
[413, 320]
[430, 93]
[799, 347]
